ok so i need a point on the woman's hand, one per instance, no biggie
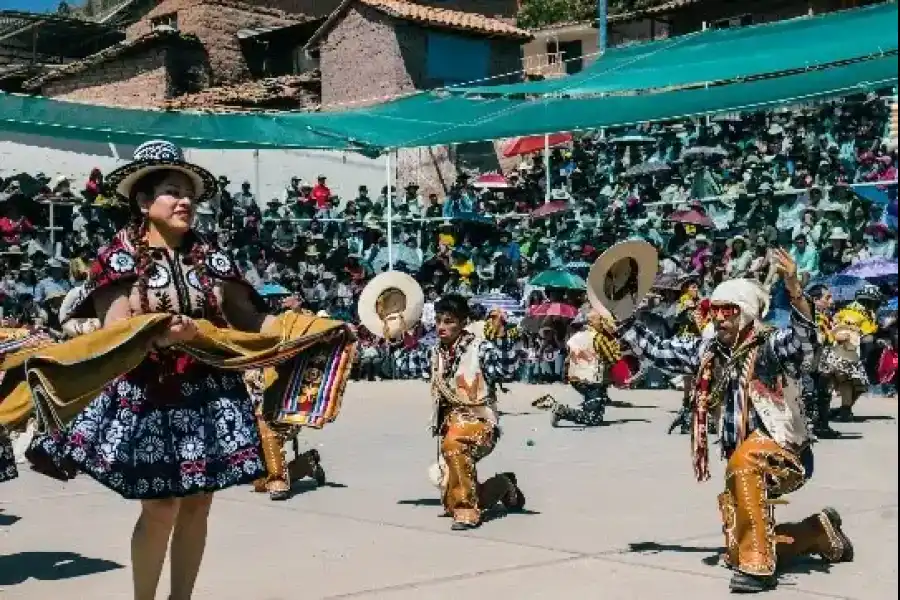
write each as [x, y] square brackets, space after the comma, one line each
[181, 329]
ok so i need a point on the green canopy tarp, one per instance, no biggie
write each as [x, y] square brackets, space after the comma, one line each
[709, 72]
[43, 116]
[427, 120]
[724, 55]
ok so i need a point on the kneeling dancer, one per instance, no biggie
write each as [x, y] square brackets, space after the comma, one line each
[465, 372]
[280, 474]
[745, 367]
[592, 351]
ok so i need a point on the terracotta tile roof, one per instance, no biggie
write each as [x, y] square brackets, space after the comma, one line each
[121, 49]
[430, 16]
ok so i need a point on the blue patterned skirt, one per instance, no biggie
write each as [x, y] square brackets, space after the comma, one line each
[7, 459]
[146, 440]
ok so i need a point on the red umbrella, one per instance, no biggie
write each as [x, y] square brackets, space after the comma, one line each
[549, 209]
[492, 181]
[553, 309]
[534, 143]
[692, 217]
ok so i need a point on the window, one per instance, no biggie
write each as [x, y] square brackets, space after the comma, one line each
[454, 59]
[166, 20]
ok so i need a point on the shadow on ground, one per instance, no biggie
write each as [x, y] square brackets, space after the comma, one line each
[50, 566]
[421, 502]
[610, 423]
[803, 566]
[303, 486]
[7, 520]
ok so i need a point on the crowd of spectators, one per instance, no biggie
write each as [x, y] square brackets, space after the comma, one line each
[714, 195]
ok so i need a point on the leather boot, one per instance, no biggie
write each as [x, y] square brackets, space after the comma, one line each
[308, 464]
[822, 425]
[727, 512]
[820, 534]
[462, 492]
[742, 583]
[502, 488]
[277, 481]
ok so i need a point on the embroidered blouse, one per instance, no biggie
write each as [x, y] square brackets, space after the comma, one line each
[175, 284]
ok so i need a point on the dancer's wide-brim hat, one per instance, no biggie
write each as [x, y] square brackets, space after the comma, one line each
[160, 155]
[391, 304]
[622, 277]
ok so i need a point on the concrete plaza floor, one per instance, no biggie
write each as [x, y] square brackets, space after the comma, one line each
[614, 513]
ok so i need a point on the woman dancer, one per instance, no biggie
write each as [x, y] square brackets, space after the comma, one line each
[173, 431]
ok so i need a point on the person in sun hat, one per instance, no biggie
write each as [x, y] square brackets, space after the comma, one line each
[465, 372]
[175, 429]
[751, 372]
[843, 362]
[817, 387]
[592, 351]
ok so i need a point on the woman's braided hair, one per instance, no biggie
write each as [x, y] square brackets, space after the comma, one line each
[136, 233]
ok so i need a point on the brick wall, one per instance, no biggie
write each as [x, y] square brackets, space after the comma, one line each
[139, 80]
[216, 26]
[366, 40]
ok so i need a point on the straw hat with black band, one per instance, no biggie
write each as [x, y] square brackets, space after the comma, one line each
[160, 155]
[391, 304]
[621, 278]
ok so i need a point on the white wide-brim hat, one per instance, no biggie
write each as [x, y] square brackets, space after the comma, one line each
[839, 234]
[622, 277]
[160, 155]
[391, 304]
[730, 243]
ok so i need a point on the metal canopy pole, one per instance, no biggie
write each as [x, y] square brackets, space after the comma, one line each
[547, 167]
[389, 212]
[602, 24]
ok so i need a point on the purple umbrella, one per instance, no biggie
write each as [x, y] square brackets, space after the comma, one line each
[872, 268]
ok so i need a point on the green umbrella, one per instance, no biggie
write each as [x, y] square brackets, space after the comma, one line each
[559, 278]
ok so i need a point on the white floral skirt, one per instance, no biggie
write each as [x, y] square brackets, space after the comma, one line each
[203, 437]
[849, 370]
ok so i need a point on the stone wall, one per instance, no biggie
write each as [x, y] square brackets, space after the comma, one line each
[138, 80]
[216, 25]
[367, 40]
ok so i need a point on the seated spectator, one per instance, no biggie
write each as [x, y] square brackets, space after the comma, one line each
[806, 257]
[882, 244]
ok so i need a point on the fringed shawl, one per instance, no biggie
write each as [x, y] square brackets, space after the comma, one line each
[308, 361]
